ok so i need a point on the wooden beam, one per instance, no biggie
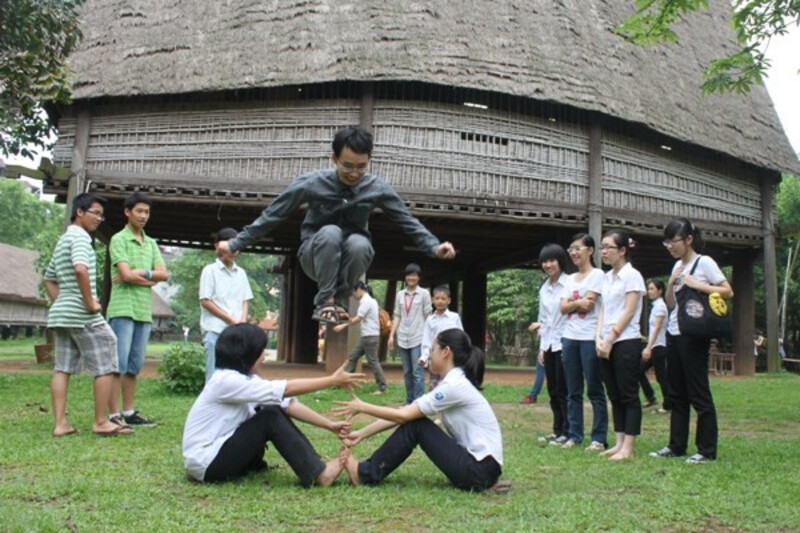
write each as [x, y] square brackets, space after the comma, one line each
[594, 206]
[474, 301]
[388, 304]
[77, 180]
[767, 185]
[367, 112]
[743, 313]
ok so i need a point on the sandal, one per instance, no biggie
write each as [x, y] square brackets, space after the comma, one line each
[501, 487]
[327, 313]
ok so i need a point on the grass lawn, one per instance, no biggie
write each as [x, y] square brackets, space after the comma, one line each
[22, 347]
[137, 483]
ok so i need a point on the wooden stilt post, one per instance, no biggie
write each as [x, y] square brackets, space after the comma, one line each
[770, 271]
[595, 203]
[743, 313]
[305, 330]
[474, 316]
[77, 180]
[389, 297]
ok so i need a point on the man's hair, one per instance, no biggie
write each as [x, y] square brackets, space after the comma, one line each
[413, 268]
[358, 139]
[239, 347]
[225, 234]
[136, 198]
[84, 202]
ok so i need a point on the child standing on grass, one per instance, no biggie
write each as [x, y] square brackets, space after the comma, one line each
[654, 354]
[470, 454]
[619, 341]
[238, 412]
[367, 316]
[441, 320]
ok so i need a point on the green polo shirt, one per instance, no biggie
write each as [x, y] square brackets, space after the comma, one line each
[128, 300]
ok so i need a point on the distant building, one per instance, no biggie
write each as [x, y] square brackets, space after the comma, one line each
[21, 304]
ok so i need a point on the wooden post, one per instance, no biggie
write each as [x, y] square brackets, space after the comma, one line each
[595, 204]
[474, 301]
[77, 180]
[770, 271]
[454, 294]
[284, 315]
[367, 112]
[389, 298]
[743, 313]
[304, 330]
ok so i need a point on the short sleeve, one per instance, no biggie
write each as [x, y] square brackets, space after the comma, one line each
[118, 250]
[206, 283]
[50, 272]
[595, 281]
[634, 282]
[397, 310]
[440, 399]
[81, 252]
[660, 309]
[711, 270]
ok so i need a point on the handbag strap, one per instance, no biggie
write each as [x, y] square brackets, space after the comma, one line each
[691, 273]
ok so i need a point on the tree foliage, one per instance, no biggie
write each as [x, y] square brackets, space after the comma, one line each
[512, 304]
[185, 272]
[36, 36]
[754, 21]
[28, 222]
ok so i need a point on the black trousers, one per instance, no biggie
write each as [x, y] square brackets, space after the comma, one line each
[620, 375]
[557, 390]
[658, 361]
[687, 368]
[243, 452]
[460, 467]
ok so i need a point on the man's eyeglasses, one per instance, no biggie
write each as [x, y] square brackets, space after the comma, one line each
[349, 167]
[669, 243]
[98, 215]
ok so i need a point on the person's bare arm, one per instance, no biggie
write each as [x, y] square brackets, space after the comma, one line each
[52, 289]
[85, 287]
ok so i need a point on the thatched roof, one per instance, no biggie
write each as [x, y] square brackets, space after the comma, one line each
[561, 51]
[20, 280]
[161, 308]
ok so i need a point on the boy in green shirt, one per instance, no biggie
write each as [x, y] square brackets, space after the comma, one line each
[136, 265]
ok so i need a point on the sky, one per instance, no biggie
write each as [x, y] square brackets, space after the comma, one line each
[783, 82]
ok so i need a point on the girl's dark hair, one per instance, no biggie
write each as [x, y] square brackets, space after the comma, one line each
[622, 240]
[364, 287]
[658, 284]
[550, 252]
[682, 227]
[84, 202]
[465, 355]
[239, 347]
[586, 240]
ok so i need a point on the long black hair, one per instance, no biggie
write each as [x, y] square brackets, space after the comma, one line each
[239, 347]
[550, 252]
[465, 355]
[622, 240]
[682, 227]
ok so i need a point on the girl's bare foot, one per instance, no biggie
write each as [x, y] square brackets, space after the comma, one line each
[621, 455]
[611, 451]
[351, 467]
[63, 431]
[329, 475]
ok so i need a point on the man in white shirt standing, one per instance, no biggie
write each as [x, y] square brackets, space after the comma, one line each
[224, 297]
[412, 305]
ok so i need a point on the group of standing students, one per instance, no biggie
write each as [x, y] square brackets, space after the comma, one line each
[589, 334]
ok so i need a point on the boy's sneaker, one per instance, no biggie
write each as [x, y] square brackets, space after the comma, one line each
[528, 399]
[664, 453]
[569, 444]
[560, 441]
[595, 446]
[547, 438]
[138, 420]
[698, 458]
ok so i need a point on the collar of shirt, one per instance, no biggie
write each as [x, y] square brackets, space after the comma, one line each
[222, 266]
[126, 231]
[562, 281]
[618, 275]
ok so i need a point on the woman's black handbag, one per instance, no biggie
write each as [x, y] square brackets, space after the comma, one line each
[701, 315]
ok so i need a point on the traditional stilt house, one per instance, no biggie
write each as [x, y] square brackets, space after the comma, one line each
[503, 124]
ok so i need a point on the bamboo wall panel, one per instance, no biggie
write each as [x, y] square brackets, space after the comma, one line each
[649, 179]
[243, 145]
[479, 153]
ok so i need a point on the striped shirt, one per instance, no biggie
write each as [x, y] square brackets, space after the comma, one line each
[69, 309]
[129, 300]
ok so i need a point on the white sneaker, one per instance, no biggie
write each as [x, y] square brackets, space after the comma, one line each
[560, 441]
[698, 458]
[595, 446]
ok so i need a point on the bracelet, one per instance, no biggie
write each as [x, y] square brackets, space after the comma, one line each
[148, 274]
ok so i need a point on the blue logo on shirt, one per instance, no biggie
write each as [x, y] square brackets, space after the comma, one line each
[439, 396]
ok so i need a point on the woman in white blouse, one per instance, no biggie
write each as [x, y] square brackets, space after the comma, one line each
[619, 342]
[470, 453]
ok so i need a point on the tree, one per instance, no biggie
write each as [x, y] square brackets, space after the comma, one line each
[185, 275]
[512, 304]
[754, 21]
[28, 221]
[788, 201]
[36, 36]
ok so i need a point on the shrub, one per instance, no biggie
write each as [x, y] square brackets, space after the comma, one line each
[183, 368]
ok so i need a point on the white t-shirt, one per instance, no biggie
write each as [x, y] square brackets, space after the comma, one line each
[434, 325]
[583, 326]
[707, 271]
[615, 289]
[228, 289]
[411, 308]
[228, 399]
[466, 415]
[368, 311]
[550, 317]
[659, 308]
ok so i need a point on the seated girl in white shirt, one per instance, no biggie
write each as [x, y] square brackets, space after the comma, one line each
[471, 452]
[238, 412]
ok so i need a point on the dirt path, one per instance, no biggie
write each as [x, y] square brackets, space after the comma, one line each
[393, 371]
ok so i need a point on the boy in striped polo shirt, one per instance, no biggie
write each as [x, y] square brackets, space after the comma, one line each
[136, 265]
[81, 334]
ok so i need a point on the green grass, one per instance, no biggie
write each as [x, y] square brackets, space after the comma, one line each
[21, 348]
[137, 483]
